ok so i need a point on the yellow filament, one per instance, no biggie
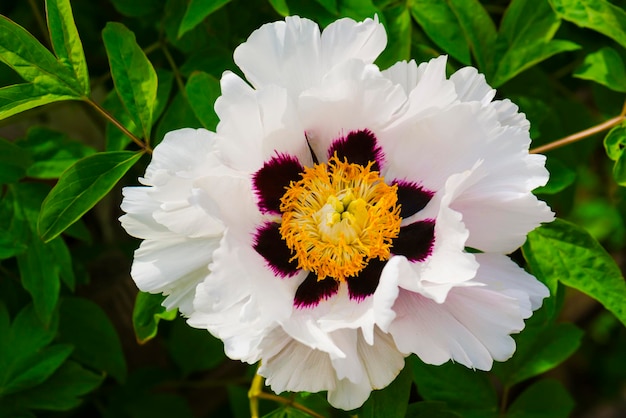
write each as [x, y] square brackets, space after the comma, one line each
[338, 217]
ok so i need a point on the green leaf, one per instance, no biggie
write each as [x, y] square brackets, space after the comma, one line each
[539, 349]
[35, 369]
[197, 11]
[561, 177]
[80, 187]
[465, 391]
[561, 251]
[33, 62]
[280, 6]
[202, 91]
[398, 25]
[40, 278]
[97, 345]
[63, 260]
[605, 67]
[615, 142]
[62, 391]
[177, 115]
[545, 399]
[53, 152]
[47, 80]
[66, 42]
[116, 140]
[133, 75]
[20, 97]
[479, 30]
[14, 161]
[23, 358]
[429, 409]
[441, 25]
[147, 313]
[390, 402]
[525, 38]
[286, 412]
[194, 349]
[598, 15]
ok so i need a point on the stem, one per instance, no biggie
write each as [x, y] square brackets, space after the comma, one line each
[580, 135]
[256, 392]
[119, 126]
[256, 388]
[504, 401]
[177, 76]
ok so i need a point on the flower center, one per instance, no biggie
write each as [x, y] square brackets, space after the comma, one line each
[338, 217]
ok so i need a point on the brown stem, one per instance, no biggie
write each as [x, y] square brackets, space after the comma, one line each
[289, 402]
[256, 392]
[177, 76]
[579, 135]
[119, 126]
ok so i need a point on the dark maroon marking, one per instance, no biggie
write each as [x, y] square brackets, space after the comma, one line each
[359, 147]
[270, 245]
[366, 282]
[272, 179]
[411, 197]
[311, 291]
[415, 241]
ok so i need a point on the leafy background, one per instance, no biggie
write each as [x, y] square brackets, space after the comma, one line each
[76, 339]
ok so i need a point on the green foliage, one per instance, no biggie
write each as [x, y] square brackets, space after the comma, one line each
[391, 401]
[133, 74]
[444, 383]
[551, 251]
[80, 187]
[605, 66]
[66, 42]
[147, 313]
[544, 399]
[66, 347]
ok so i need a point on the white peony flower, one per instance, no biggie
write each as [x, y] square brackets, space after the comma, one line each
[323, 229]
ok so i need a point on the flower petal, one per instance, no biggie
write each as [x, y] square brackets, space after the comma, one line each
[271, 246]
[416, 240]
[273, 178]
[312, 291]
[295, 55]
[358, 147]
[366, 282]
[411, 197]
[473, 324]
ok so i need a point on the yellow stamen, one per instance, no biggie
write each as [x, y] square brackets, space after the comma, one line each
[338, 217]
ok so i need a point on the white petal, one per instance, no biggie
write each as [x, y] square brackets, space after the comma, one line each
[293, 54]
[471, 86]
[173, 153]
[473, 325]
[380, 363]
[497, 205]
[242, 299]
[501, 274]
[353, 97]
[296, 367]
[346, 39]
[173, 267]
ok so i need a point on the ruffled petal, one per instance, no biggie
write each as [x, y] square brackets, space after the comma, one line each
[352, 98]
[272, 125]
[362, 370]
[473, 325]
[295, 55]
